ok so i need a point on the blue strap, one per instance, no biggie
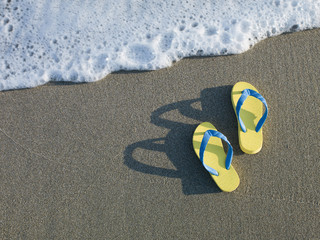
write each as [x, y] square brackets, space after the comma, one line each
[245, 94]
[207, 135]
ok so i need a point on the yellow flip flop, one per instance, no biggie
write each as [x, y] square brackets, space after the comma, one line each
[248, 106]
[208, 146]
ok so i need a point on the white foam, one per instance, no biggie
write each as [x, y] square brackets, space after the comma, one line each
[83, 41]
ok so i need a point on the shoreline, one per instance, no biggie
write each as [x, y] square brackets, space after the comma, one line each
[123, 71]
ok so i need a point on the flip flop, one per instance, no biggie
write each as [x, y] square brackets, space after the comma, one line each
[208, 146]
[248, 106]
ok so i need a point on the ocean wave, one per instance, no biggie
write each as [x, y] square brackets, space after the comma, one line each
[83, 41]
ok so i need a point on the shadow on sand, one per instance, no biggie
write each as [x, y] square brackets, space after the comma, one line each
[216, 108]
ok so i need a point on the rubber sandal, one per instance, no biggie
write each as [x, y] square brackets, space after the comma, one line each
[248, 106]
[208, 146]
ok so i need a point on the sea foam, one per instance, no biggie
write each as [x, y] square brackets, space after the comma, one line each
[83, 40]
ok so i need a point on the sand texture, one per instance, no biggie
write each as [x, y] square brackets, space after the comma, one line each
[114, 159]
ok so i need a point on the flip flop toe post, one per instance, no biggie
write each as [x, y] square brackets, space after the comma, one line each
[248, 106]
[208, 146]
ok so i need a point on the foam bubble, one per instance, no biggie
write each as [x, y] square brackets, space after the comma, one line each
[83, 41]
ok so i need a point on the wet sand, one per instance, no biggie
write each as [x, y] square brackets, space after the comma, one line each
[114, 159]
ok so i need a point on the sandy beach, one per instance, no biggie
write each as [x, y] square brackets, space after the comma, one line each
[114, 159]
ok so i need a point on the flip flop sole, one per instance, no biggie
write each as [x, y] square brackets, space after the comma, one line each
[215, 156]
[251, 111]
